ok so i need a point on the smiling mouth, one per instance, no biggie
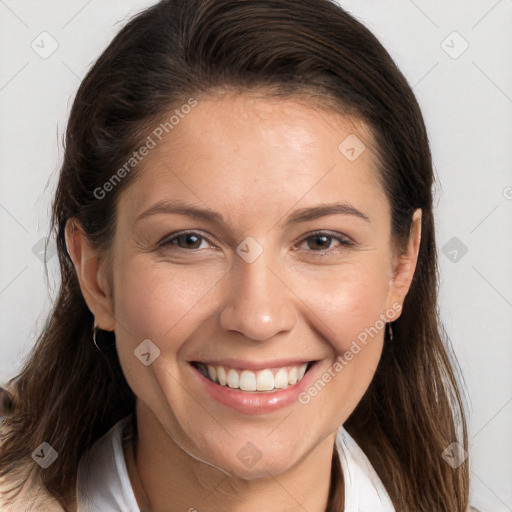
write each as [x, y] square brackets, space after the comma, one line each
[260, 381]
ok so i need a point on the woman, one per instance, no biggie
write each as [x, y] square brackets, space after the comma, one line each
[247, 315]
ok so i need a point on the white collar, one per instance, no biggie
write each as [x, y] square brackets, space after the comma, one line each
[364, 491]
[103, 484]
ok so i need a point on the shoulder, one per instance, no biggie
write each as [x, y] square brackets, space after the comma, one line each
[31, 497]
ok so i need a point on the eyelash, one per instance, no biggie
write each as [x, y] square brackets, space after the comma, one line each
[344, 242]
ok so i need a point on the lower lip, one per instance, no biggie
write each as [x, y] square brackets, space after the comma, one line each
[248, 402]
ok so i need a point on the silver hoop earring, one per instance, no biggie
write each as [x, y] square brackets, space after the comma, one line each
[94, 329]
[390, 332]
[103, 347]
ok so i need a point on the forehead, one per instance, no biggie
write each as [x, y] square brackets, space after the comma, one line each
[251, 155]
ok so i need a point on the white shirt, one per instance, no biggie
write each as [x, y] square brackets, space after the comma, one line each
[103, 484]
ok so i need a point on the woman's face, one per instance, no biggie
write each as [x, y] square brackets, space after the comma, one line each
[288, 260]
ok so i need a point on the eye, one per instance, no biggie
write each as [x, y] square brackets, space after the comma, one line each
[322, 241]
[186, 240]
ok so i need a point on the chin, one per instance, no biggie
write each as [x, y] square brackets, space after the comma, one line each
[250, 462]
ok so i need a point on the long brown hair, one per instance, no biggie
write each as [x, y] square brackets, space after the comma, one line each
[68, 394]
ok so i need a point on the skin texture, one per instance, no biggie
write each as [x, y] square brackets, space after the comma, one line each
[255, 161]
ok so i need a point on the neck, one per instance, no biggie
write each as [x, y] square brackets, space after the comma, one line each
[162, 473]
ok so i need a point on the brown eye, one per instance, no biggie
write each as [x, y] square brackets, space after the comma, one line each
[325, 242]
[189, 240]
[319, 242]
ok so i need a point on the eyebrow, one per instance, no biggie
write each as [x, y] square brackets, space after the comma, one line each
[181, 208]
[307, 214]
[298, 216]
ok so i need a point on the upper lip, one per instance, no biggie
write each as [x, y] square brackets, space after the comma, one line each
[254, 365]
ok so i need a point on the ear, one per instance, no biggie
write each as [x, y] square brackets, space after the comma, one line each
[91, 270]
[404, 265]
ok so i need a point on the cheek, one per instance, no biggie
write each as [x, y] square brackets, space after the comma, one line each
[155, 299]
[348, 301]
[347, 312]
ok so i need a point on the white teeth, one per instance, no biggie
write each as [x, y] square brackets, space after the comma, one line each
[281, 379]
[292, 376]
[232, 378]
[221, 375]
[212, 372]
[264, 381]
[247, 380]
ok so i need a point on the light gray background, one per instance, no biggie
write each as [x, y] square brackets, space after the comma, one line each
[467, 102]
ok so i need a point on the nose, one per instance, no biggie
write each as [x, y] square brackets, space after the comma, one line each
[260, 304]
